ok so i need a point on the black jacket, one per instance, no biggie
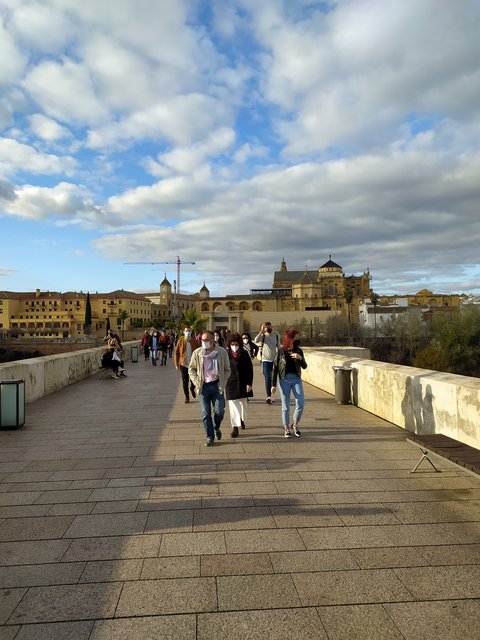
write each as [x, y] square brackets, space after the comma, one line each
[280, 364]
[240, 376]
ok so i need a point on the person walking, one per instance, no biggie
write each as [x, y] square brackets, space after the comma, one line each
[163, 343]
[209, 370]
[287, 369]
[239, 383]
[145, 341]
[267, 341]
[153, 345]
[182, 355]
[249, 345]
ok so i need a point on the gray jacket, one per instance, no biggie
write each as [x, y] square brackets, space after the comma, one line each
[268, 344]
[195, 368]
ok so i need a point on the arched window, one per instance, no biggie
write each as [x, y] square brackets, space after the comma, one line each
[243, 306]
[257, 306]
[230, 306]
[205, 306]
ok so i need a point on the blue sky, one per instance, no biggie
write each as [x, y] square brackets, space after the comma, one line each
[233, 133]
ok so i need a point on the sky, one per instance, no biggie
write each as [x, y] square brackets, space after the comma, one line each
[235, 133]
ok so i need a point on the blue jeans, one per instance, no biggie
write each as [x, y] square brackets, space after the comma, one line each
[267, 374]
[291, 383]
[211, 398]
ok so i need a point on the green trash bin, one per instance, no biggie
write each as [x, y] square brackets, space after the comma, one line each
[343, 387]
[12, 403]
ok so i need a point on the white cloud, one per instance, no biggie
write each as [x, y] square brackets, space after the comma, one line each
[181, 120]
[47, 129]
[353, 75]
[65, 91]
[41, 26]
[12, 61]
[15, 156]
[64, 201]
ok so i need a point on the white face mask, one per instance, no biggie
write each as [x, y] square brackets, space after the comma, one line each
[234, 347]
[206, 344]
[187, 334]
[245, 341]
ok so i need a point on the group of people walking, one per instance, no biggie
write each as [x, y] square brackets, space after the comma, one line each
[158, 345]
[217, 374]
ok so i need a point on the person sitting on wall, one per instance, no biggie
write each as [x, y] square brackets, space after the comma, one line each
[110, 360]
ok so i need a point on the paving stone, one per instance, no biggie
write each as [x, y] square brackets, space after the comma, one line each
[463, 532]
[451, 554]
[192, 544]
[221, 502]
[9, 599]
[19, 497]
[175, 520]
[263, 540]
[104, 524]
[256, 592]
[305, 516]
[449, 620]
[112, 548]
[345, 537]
[171, 567]
[247, 488]
[70, 495]
[41, 574]
[238, 564]
[382, 558]
[24, 511]
[285, 499]
[359, 622]
[350, 587]
[301, 561]
[66, 603]
[180, 627]
[70, 509]
[159, 597]
[436, 583]
[34, 528]
[31, 552]
[120, 493]
[233, 518]
[9, 633]
[294, 624]
[117, 506]
[111, 570]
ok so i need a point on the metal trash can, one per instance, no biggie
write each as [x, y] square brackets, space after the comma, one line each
[12, 403]
[134, 354]
[343, 391]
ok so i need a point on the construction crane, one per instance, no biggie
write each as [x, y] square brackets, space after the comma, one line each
[178, 262]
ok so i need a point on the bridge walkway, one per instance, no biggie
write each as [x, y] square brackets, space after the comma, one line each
[116, 522]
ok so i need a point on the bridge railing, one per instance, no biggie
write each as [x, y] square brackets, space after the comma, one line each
[47, 374]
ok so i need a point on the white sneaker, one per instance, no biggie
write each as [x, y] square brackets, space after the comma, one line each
[288, 433]
[115, 376]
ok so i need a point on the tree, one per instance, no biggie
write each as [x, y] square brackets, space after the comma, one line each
[348, 295]
[455, 343]
[87, 327]
[191, 318]
[374, 298]
[123, 315]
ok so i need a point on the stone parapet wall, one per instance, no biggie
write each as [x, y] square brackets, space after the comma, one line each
[419, 400]
[47, 374]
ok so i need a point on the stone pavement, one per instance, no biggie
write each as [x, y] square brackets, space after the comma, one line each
[117, 523]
